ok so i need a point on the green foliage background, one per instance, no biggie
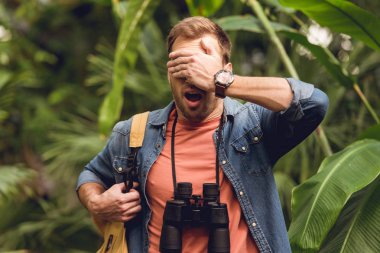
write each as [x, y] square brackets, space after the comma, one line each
[69, 69]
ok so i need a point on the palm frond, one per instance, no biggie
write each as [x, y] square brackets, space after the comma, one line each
[15, 182]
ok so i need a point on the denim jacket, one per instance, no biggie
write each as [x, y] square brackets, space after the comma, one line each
[253, 139]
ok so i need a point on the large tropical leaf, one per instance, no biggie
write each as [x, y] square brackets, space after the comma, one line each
[317, 203]
[358, 226]
[372, 132]
[324, 56]
[203, 7]
[341, 16]
[137, 14]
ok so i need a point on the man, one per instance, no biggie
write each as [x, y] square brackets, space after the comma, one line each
[278, 115]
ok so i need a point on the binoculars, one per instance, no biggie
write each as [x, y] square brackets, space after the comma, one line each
[193, 210]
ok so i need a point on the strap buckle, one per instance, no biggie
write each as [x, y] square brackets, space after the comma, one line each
[130, 174]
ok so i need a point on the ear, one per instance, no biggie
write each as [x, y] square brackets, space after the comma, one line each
[228, 66]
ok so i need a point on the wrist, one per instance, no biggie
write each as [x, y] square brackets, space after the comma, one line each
[222, 80]
[94, 203]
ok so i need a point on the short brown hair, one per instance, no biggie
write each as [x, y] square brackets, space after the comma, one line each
[196, 27]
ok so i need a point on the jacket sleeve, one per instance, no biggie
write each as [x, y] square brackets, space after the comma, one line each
[286, 129]
[100, 168]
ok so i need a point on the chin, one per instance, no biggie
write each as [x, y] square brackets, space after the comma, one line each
[193, 117]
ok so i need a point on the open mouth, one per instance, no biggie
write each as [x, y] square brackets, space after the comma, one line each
[193, 97]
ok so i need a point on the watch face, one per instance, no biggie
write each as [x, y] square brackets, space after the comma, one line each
[224, 77]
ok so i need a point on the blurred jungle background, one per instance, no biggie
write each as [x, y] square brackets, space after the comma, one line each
[69, 69]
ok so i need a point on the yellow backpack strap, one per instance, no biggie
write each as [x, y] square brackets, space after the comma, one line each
[114, 232]
[136, 136]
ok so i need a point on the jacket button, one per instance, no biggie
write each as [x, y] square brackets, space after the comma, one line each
[243, 148]
[120, 169]
[241, 193]
[224, 162]
[255, 139]
[254, 224]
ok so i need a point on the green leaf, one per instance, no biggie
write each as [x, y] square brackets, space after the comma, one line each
[137, 14]
[324, 56]
[358, 226]
[13, 182]
[317, 202]
[372, 132]
[5, 76]
[248, 23]
[204, 7]
[341, 16]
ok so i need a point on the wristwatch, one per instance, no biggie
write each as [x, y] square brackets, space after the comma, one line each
[223, 79]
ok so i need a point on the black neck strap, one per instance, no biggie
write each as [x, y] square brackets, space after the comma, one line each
[218, 142]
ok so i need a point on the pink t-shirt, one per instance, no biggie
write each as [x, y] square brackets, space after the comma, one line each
[195, 162]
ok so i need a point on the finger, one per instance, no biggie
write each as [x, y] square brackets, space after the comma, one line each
[125, 207]
[132, 195]
[178, 68]
[131, 213]
[206, 45]
[181, 74]
[131, 208]
[119, 186]
[180, 53]
[135, 185]
[180, 60]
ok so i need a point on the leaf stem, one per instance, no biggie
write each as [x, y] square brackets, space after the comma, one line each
[323, 141]
[366, 103]
[273, 36]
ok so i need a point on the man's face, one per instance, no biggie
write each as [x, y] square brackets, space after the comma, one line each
[194, 104]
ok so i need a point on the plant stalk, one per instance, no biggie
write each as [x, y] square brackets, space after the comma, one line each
[323, 141]
[256, 7]
[366, 103]
[273, 37]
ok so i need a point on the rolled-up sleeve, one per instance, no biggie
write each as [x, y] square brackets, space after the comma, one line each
[300, 91]
[87, 176]
[285, 129]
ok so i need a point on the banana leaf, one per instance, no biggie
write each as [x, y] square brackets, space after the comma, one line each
[137, 14]
[358, 226]
[324, 56]
[372, 132]
[203, 8]
[341, 16]
[317, 203]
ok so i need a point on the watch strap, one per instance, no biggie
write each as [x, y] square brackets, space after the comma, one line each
[220, 90]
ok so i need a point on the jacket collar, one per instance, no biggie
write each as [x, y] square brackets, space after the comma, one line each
[231, 108]
[163, 115]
